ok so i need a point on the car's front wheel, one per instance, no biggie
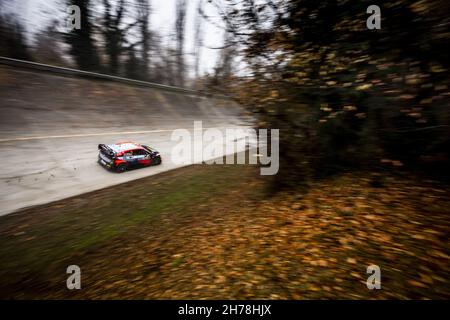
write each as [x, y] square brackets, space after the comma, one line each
[157, 161]
[121, 168]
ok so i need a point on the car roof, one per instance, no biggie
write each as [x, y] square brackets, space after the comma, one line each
[125, 146]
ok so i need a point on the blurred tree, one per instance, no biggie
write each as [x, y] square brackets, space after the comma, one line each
[170, 67]
[12, 38]
[46, 48]
[144, 18]
[132, 65]
[198, 38]
[113, 33]
[224, 67]
[180, 19]
[80, 41]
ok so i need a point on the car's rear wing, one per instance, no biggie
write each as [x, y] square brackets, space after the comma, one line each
[107, 150]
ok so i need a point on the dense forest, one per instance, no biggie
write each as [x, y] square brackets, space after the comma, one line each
[115, 37]
[346, 97]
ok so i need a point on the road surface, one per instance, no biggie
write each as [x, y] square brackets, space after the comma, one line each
[50, 127]
[37, 171]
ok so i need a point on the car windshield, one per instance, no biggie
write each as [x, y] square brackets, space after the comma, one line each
[148, 148]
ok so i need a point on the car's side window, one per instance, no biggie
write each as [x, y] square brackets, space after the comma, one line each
[140, 152]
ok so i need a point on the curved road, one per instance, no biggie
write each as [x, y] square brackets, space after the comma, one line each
[44, 169]
[50, 127]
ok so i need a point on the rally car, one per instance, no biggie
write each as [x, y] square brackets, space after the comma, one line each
[127, 154]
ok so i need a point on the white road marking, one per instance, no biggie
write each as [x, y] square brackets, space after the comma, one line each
[92, 134]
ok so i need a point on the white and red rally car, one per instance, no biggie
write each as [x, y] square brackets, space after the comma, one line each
[123, 155]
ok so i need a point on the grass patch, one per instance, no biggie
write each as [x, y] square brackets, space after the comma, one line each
[35, 237]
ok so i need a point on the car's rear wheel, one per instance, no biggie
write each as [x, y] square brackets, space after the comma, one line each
[121, 168]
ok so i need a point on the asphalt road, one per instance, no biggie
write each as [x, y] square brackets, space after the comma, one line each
[48, 168]
[50, 127]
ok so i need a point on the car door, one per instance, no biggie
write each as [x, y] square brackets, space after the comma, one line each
[143, 157]
[130, 158]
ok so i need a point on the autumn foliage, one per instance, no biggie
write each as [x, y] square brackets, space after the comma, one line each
[346, 97]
